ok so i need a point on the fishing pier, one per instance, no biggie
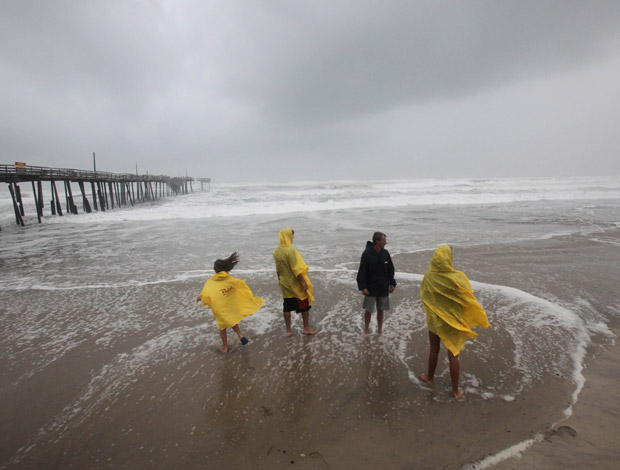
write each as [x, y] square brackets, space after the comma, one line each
[107, 190]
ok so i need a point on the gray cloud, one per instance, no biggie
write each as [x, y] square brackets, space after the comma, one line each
[353, 60]
[311, 89]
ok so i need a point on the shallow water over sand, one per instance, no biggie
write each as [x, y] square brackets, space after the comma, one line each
[107, 360]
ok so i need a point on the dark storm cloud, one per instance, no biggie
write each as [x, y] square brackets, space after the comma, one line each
[279, 89]
[367, 57]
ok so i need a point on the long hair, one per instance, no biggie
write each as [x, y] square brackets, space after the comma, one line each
[226, 264]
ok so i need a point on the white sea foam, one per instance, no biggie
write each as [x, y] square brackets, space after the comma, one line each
[227, 200]
[559, 317]
[531, 313]
[513, 451]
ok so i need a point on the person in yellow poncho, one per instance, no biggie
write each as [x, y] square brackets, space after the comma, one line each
[294, 283]
[451, 313]
[229, 298]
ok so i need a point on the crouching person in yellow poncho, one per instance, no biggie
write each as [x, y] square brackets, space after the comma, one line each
[230, 299]
[451, 313]
[294, 283]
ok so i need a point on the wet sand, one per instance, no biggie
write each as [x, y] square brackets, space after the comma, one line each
[588, 438]
[169, 399]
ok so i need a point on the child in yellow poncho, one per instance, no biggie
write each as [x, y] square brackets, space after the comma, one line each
[294, 282]
[451, 313]
[229, 298]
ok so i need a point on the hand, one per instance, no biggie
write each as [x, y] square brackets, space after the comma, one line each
[392, 288]
[198, 299]
[302, 281]
[365, 292]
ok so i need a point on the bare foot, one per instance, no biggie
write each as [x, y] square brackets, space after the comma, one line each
[380, 332]
[366, 333]
[289, 333]
[224, 349]
[426, 379]
[310, 331]
[459, 393]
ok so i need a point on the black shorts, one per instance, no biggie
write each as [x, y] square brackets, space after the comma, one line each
[292, 304]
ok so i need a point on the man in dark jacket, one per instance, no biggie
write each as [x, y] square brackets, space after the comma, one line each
[375, 278]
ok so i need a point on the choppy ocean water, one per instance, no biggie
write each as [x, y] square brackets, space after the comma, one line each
[116, 289]
[179, 236]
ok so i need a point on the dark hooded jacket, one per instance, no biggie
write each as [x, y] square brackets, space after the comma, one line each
[376, 271]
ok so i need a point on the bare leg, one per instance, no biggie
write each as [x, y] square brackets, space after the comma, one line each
[224, 347]
[454, 375]
[366, 322]
[433, 356]
[380, 322]
[287, 321]
[242, 338]
[305, 316]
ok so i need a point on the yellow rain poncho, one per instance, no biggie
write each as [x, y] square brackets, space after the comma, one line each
[289, 265]
[451, 308]
[230, 299]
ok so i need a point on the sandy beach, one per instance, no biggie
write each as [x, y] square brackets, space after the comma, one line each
[588, 438]
[169, 399]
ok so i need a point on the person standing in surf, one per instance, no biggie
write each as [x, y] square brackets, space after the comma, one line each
[451, 313]
[294, 283]
[375, 279]
[229, 298]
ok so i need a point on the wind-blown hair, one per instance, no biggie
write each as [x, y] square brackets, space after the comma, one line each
[226, 264]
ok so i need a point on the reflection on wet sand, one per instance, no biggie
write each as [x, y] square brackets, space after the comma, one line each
[164, 397]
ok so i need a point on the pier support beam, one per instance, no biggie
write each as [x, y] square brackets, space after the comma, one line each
[41, 203]
[92, 187]
[85, 203]
[101, 196]
[56, 200]
[128, 190]
[18, 214]
[111, 193]
[71, 207]
[18, 196]
[36, 200]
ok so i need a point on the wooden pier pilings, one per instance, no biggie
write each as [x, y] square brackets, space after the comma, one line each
[107, 190]
[204, 180]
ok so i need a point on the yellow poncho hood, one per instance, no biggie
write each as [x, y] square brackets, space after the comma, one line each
[230, 299]
[451, 308]
[289, 265]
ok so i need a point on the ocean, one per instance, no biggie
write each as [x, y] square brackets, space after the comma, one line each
[108, 362]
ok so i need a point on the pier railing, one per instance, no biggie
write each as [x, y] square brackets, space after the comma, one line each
[11, 173]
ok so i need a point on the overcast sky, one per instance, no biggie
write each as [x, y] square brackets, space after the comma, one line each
[284, 90]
